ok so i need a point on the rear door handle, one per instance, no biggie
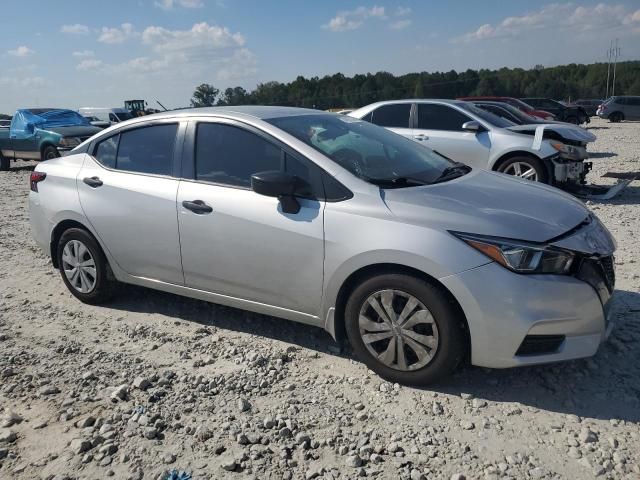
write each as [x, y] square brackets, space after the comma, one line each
[93, 182]
[197, 206]
[421, 137]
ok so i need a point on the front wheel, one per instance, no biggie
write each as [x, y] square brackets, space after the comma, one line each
[615, 117]
[4, 163]
[528, 168]
[404, 329]
[84, 268]
[50, 152]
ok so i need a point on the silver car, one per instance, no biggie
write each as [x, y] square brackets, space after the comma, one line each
[327, 220]
[620, 108]
[466, 133]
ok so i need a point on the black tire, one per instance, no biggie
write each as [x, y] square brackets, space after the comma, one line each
[616, 117]
[451, 343]
[535, 163]
[105, 282]
[5, 163]
[49, 153]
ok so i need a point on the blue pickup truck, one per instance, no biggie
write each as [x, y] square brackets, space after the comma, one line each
[42, 133]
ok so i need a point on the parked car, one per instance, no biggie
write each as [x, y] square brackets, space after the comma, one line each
[566, 132]
[517, 103]
[565, 113]
[108, 115]
[330, 221]
[5, 123]
[96, 122]
[590, 105]
[463, 132]
[620, 108]
[42, 134]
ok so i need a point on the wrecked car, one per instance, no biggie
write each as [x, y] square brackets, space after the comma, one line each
[43, 134]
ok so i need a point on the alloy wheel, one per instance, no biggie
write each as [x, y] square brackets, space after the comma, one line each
[79, 266]
[398, 330]
[522, 170]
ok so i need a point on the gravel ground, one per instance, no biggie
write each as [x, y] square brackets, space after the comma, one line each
[154, 382]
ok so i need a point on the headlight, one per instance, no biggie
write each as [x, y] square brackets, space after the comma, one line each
[520, 256]
[70, 141]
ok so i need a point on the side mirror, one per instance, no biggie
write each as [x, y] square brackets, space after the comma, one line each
[472, 126]
[275, 183]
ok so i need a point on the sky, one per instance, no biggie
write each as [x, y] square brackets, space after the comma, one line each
[96, 53]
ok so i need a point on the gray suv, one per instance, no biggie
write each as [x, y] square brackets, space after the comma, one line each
[620, 108]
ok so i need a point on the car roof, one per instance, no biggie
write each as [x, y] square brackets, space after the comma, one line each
[258, 111]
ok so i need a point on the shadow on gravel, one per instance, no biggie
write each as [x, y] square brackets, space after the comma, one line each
[602, 154]
[628, 196]
[604, 387]
[22, 168]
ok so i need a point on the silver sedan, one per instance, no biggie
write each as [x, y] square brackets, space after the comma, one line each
[419, 262]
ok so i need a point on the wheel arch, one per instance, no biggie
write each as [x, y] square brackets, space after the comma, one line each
[44, 145]
[512, 154]
[372, 270]
[57, 232]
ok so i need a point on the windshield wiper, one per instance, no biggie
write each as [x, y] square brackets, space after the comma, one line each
[397, 182]
[454, 171]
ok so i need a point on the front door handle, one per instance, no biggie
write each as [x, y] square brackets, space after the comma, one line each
[420, 137]
[197, 206]
[93, 182]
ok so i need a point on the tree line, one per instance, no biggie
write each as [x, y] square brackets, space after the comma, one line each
[566, 82]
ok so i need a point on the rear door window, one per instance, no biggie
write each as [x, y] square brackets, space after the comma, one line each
[106, 151]
[394, 116]
[147, 149]
[432, 116]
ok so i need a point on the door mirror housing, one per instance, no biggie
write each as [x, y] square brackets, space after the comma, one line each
[275, 183]
[472, 126]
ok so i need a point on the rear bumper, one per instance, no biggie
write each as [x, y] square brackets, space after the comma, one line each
[502, 308]
[40, 227]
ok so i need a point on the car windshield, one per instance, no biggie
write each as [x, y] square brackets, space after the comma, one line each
[524, 117]
[371, 153]
[122, 116]
[488, 117]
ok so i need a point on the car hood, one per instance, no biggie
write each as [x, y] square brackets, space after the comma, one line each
[487, 203]
[565, 130]
[76, 131]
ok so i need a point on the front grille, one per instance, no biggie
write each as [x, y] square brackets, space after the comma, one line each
[609, 270]
[540, 344]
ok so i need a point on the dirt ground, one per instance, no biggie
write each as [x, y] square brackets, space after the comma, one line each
[154, 382]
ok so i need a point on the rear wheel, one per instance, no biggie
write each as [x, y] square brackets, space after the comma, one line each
[616, 117]
[4, 163]
[84, 268]
[528, 168]
[404, 329]
[50, 152]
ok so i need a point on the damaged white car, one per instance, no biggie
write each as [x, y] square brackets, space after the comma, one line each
[551, 153]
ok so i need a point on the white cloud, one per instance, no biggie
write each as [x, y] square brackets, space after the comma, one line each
[402, 11]
[400, 24]
[116, 35]
[30, 82]
[201, 36]
[83, 53]
[353, 19]
[21, 51]
[170, 4]
[75, 29]
[241, 64]
[557, 16]
[89, 64]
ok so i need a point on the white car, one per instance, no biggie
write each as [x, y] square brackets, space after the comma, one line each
[463, 132]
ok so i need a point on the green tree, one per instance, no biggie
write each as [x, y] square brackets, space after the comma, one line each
[204, 95]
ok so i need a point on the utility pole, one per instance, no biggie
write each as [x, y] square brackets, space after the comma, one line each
[616, 53]
[609, 54]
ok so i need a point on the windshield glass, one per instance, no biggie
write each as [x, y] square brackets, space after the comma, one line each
[488, 117]
[370, 152]
[122, 116]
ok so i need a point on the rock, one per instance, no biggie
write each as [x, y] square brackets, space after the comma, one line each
[79, 445]
[10, 419]
[7, 436]
[121, 393]
[437, 409]
[353, 461]
[394, 447]
[417, 475]
[284, 432]
[141, 383]
[574, 453]
[150, 433]
[229, 465]
[478, 403]
[302, 438]
[458, 476]
[587, 436]
[3, 453]
[243, 404]
[268, 422]
[86, 422]
[168, 457]
[48, 390]
[537, 472]
[467, 425]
